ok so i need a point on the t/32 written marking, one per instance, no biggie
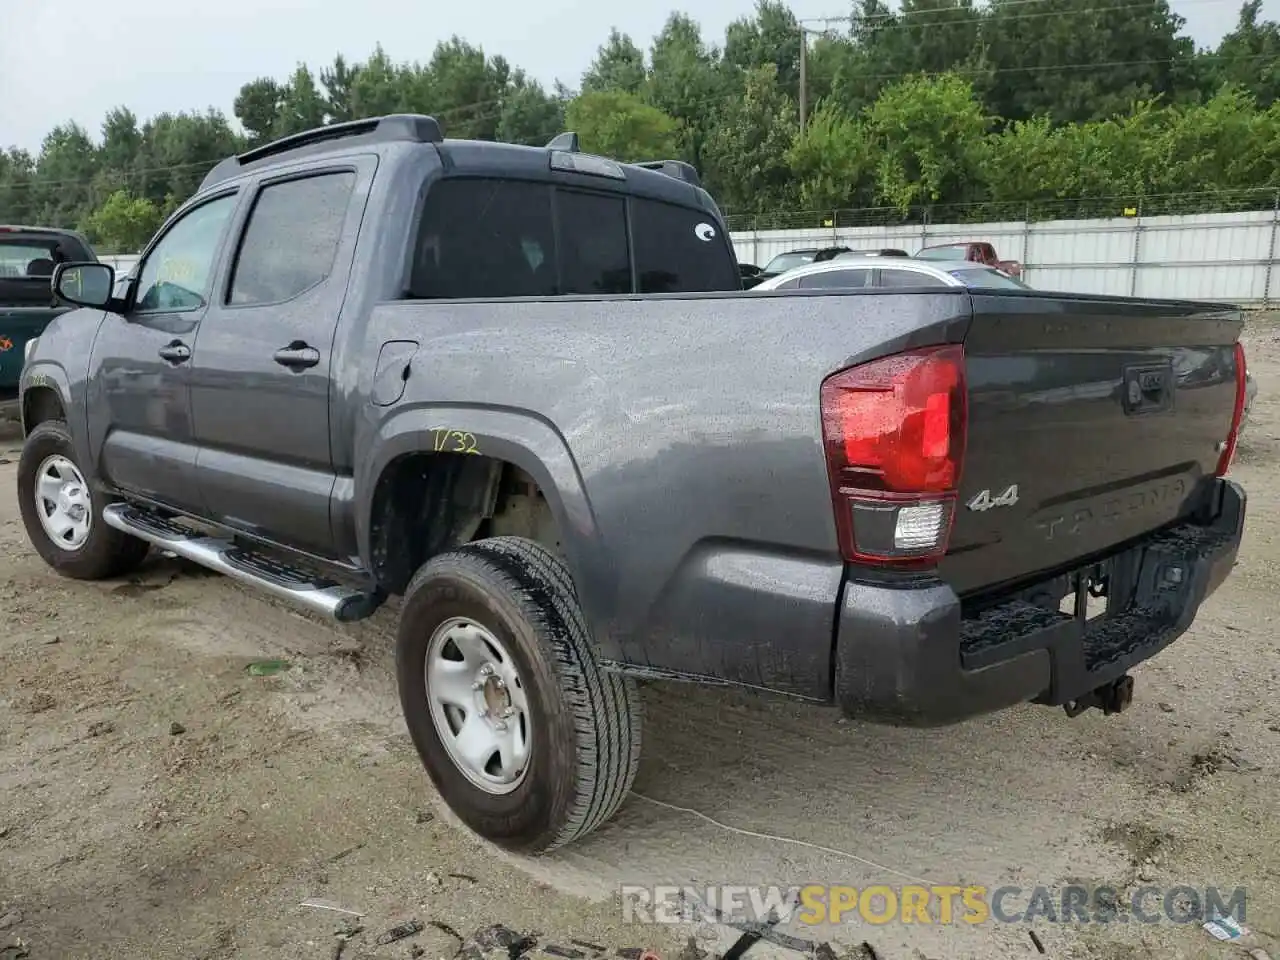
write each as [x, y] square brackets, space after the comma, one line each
[454, 441]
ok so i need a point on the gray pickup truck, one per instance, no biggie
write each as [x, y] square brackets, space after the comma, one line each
[522, 389]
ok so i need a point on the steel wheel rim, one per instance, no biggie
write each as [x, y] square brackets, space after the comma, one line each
[478, 705]
[63, 503]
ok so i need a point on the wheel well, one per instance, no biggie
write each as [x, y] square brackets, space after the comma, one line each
[428, 503]
[39, 405]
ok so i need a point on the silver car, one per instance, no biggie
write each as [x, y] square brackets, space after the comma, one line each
[853, 272]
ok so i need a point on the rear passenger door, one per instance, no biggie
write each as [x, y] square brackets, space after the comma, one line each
[261, 370]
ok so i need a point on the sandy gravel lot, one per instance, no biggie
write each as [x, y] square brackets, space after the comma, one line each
[158, 801]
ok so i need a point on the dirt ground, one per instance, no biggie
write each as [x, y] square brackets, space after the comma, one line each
[158, 801]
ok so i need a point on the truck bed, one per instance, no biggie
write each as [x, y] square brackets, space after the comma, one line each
[715, 398]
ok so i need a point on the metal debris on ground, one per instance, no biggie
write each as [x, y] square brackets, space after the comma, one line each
[1224, 928]
[176, 729]
[445, 928]
[1257, 953]
[318, 904]
[565, 953]
[495, 943]
[594, 947]
[1036, 940]
[400, 932]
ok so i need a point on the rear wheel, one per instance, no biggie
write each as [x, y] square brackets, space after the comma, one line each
[63, 513]
[527, 739]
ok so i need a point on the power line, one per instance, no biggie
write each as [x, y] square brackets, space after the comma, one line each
[36, 182]
[980, 15]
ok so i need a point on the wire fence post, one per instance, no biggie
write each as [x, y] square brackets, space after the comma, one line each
[1026, 238]
[1271, 251]
[1137, 251]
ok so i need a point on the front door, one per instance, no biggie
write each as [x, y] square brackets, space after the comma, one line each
[261, 371]
[139, 410]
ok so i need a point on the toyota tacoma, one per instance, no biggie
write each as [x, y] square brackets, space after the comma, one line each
[522, 390]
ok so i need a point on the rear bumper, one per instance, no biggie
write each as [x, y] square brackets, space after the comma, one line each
[913, 656]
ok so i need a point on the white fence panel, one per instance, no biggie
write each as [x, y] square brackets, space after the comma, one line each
[1214, 256]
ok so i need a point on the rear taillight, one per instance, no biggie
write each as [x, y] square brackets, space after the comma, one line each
[894, 433]
[1237, 414]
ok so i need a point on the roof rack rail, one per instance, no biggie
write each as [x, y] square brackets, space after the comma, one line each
[567, 141]
[673, 168]
[411, 127]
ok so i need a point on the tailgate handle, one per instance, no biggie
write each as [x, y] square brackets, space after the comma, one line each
[1148, 388]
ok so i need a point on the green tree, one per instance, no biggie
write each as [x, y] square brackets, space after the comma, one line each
[622, 126]
[17, 177]
[832, 161]
[928, 135]
[302, 107]
[123, 224]
[529, 114]
[258, 106]
[339, 81]
[1249, 56]
[771, 36]
[745, 154]
[1078, 60]
[686, 82]
[619, 65]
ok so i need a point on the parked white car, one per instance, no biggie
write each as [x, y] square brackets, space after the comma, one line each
[853, 272]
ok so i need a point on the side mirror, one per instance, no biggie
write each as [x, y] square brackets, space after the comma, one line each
[84, 284]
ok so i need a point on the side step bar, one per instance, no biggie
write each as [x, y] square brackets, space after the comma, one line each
[307, 590]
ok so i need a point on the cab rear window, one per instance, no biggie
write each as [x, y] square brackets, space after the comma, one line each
[489, 238]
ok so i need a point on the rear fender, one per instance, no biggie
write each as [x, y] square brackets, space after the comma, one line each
[530, 443]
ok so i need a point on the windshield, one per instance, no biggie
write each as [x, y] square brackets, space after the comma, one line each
[16, 255]
[954, 251]
[789, 261]
[991, 279]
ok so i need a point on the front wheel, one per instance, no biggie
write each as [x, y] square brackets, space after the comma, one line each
[63, 513]
[527, 739]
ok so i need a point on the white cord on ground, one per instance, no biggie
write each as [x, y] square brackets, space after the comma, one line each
[769, 836]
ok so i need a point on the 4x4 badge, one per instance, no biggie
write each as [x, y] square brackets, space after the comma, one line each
[984, 500]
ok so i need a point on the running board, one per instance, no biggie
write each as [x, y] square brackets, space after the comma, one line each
[307, 590]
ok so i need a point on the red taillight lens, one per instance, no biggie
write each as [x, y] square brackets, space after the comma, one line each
[894, 432]
[1237, 414]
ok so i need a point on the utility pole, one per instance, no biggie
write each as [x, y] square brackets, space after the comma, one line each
[804, 83]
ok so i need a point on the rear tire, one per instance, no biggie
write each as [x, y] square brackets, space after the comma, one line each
[512, 604]
[88, 549]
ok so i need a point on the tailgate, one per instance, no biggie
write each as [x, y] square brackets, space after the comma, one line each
[17, 326]
[1092, 421]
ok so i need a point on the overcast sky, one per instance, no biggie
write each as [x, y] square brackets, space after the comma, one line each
[75, 59]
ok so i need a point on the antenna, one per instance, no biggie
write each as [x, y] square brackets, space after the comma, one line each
[567, 141]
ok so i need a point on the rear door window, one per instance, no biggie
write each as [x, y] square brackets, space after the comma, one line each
[292, 238]
[593, 243]
[842, 279]
[486, 239]
[680, 250]
[909, 278]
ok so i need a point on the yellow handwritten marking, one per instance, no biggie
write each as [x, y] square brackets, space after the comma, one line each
[454, 441]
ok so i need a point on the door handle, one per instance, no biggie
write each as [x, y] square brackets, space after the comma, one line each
[175, 352]
[297, 356]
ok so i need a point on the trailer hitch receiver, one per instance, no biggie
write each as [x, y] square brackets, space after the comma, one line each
[1110, 698]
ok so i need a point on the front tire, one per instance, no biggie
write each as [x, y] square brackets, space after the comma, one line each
[526, 738]
[63, 513]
